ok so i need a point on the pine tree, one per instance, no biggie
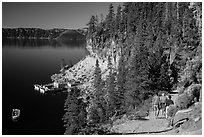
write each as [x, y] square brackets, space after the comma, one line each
[190, 31]
[124, 22]
[70, 117]
[137, 77]
[110, 89]
[98, 96]
[120, 83]
[118, 20]
[97, 81]
[75, 113]
[92, 24]
[110, 21]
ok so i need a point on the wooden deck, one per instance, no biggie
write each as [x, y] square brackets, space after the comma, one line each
[51, 88]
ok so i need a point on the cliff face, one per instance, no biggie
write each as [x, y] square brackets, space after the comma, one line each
[83, 71]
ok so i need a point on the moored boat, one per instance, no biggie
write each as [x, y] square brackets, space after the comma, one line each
[36, 87]
[53, 87]
[42, 90]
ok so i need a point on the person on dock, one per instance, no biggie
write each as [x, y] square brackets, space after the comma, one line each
[156, 102]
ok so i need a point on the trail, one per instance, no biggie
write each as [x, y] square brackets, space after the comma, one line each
[148, 125]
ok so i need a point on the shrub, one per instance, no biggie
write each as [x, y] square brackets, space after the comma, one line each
[172, 110]
[141, 111]
[187, 98]
[184, 101]
[192, 71]
[94, 117]
[194, 91]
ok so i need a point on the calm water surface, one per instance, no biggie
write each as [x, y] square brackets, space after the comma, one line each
[25, 63]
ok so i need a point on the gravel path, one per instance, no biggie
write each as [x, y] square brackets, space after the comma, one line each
[148, 125]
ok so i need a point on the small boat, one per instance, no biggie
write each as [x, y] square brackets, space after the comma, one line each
[15, 114]
[50, 88]
[45, 88]
[36, 87]
[42, 90]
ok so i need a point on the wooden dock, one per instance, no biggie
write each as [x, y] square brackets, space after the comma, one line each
[49, 88]
[55, 87]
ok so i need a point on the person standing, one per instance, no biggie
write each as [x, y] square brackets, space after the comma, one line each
[169, 102]
[156, 102]
[163, 103]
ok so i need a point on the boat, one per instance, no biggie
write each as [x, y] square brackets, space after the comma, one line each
[45, 88]
[15, 114]
[37, 87]
[51, 88]
[42, 90]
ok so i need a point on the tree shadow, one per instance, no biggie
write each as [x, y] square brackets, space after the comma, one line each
[142, 119]
[161, 118]
[153, 132]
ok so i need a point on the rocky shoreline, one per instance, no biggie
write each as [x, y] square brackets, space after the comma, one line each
[83, 70]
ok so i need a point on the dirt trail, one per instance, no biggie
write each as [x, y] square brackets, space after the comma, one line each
[148, 125]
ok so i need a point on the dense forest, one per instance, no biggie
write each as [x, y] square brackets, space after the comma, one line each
[160, 50]
[38, 33]
[31, 33]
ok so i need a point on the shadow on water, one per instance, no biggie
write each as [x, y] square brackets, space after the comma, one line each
[38, 43]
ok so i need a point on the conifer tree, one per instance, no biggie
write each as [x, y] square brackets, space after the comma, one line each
[110, 88]
[70, 117]
[118, 20]
[137, 77]
[75, 113]
[120, 83]
[97, 81]
[98, 96]
[92, 26]
[190, 31]
[110, 21]
[124, 22]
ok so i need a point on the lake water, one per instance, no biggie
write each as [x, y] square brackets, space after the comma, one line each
[29, 62]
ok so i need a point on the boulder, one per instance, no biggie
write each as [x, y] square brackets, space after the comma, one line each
[181, 115]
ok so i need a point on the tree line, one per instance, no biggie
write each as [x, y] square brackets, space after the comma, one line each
[31, 33]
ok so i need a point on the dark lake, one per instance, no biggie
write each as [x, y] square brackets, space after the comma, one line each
[29, 62]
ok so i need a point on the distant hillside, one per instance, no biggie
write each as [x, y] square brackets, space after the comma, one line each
[38, 33]
[31, 33]
[71, 35]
